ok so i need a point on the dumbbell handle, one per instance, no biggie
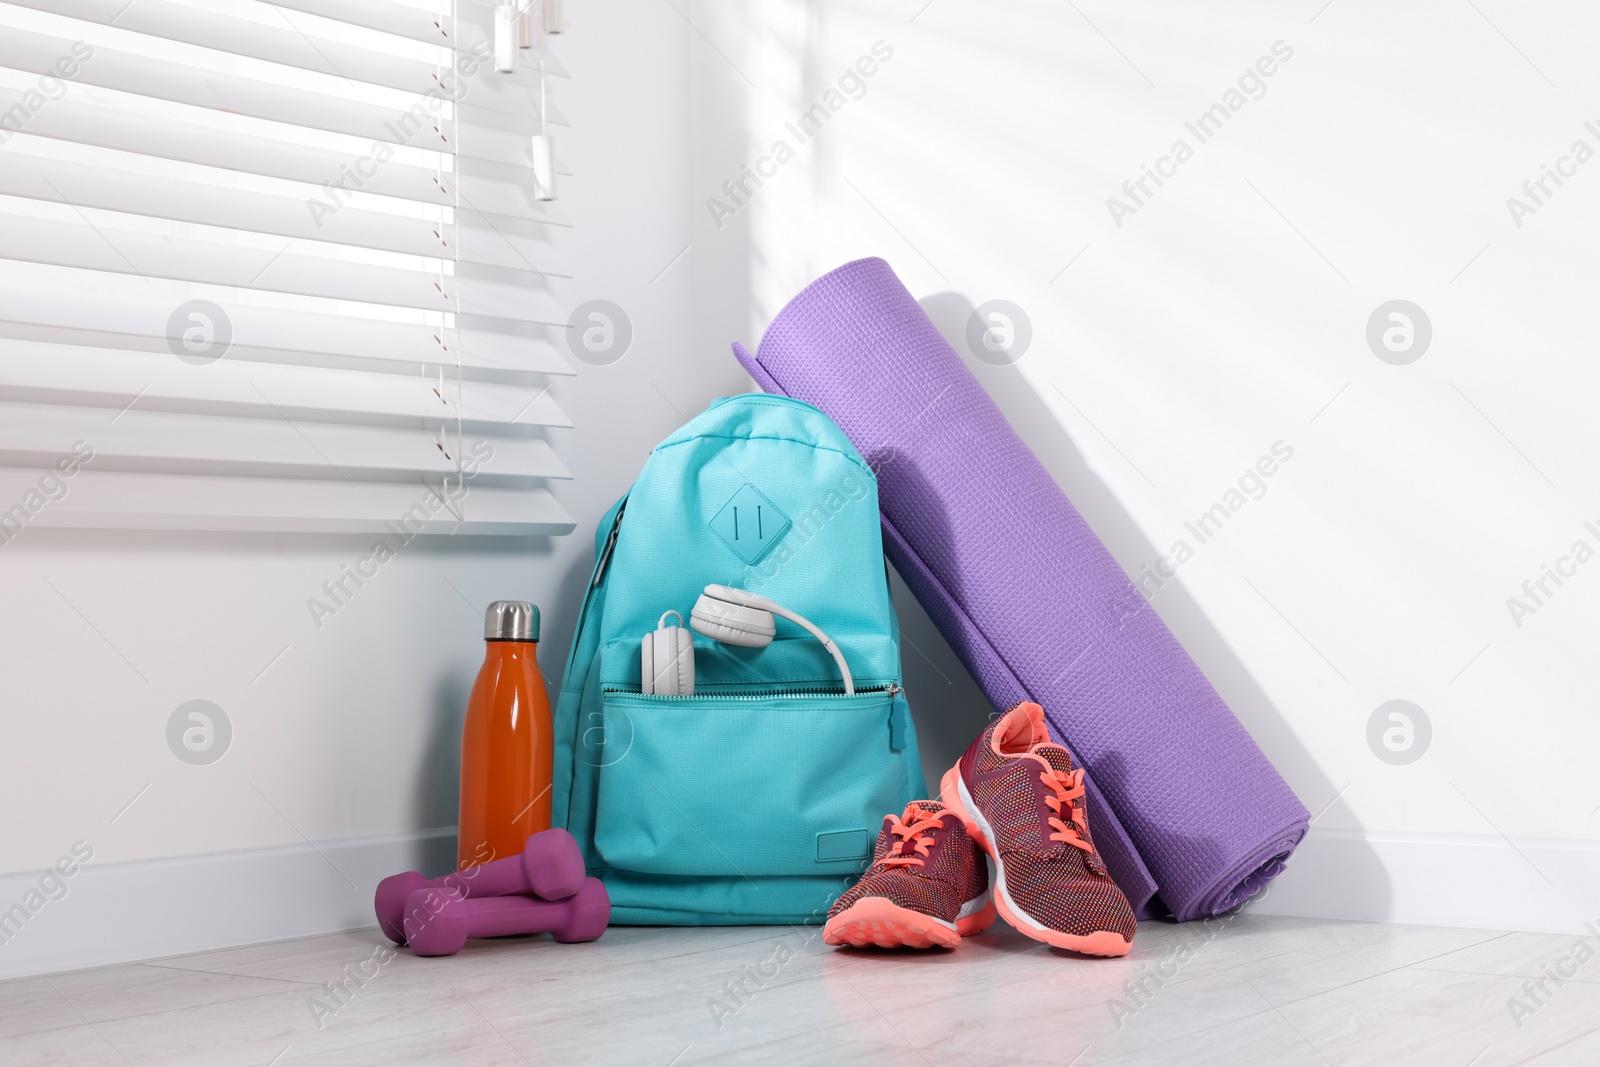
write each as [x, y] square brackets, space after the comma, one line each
[500, 916]
[497, 878]
[438, 923]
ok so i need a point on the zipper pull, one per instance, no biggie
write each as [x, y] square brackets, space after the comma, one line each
[899, 719]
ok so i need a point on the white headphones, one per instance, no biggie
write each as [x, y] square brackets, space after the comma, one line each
[666, 660]
[731, 616]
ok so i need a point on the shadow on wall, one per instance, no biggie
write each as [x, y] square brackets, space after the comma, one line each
[949, 707]
[438, 778]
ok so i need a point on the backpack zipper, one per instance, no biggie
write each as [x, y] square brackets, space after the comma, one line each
[891, 691]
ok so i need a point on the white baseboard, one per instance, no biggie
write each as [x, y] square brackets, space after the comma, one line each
[120, 912]
[1488, 882]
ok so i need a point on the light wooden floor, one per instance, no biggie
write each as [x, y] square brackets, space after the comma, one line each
[1254, 991]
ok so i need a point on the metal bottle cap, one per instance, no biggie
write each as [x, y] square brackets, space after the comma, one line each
[511, 620]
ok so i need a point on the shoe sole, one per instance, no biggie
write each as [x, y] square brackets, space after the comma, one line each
[953, 792]
[977, 915]
[879, 921]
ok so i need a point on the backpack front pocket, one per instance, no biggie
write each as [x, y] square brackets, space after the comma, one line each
[747, 785]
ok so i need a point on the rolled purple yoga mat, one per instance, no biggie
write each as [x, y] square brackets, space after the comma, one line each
[1182, 801]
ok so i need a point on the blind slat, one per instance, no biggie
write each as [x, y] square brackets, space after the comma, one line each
[401, 20]
[281, 43]
[421, 122]
[100, 247]
[100, 310]
[217, 503]
[404, 21]
[309, 216]
[166, 442]
[87, 377]
[514, 96]
[507, 192]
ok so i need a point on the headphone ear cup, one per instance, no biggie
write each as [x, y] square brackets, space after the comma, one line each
[732, 624]
[718, 630]
[647, 664]
[666, 662]
[683, 661]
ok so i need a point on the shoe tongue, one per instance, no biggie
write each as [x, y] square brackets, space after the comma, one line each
[1054, 755]
[918, 809]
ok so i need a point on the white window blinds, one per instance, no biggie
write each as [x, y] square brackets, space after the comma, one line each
[275, 266]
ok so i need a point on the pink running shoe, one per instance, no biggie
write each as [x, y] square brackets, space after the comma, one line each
[928, 885]
[1022, 802]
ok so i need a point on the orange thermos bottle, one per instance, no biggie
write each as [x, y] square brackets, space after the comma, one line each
[506, 744]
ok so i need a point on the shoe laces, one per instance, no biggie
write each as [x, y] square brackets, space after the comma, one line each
[1066, 793]
[915, 841]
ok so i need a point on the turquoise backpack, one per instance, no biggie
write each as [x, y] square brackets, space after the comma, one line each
[758, 798]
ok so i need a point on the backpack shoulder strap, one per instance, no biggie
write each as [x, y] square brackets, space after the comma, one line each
[585, 646]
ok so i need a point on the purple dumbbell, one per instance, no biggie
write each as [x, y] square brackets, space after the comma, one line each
[550, 865]
[438, 922]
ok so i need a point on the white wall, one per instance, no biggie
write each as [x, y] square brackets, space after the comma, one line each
[1229, 312]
